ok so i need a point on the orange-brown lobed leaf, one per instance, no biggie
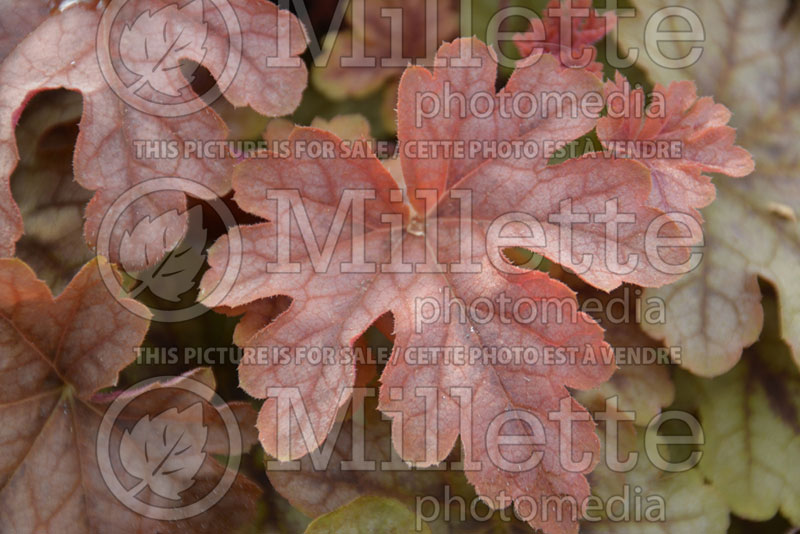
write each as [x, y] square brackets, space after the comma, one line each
[689, 133]
[255, 316]
[586, 28]
[332, 306]
[56, 353]
[460, 124]
[83, 338]
[108, 157]
[586, 184]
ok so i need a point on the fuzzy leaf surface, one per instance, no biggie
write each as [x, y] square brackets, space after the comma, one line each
[332, 307]
[752, 229]
[696, 128]
[56, 354]
[109, 156]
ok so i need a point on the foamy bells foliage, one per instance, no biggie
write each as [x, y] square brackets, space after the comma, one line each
[332, 308]
[55, 355]
[63, 51]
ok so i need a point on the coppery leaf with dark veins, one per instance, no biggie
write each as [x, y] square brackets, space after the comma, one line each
[332, 306]
[111, 152]
[55, 354]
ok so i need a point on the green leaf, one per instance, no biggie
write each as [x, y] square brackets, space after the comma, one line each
[368, 515]
[751, 418]
[647, 500]
[752, 65]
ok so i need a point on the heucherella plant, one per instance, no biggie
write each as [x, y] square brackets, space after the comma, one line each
[554, 294]
[62, 51]
[435, 233]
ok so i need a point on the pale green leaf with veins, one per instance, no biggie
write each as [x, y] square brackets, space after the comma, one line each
[750, 63]
[751, 418]
[656, 502]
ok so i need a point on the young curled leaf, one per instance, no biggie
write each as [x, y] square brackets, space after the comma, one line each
[681, 137]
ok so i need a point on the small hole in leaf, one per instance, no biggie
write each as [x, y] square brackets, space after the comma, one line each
[52, 203]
